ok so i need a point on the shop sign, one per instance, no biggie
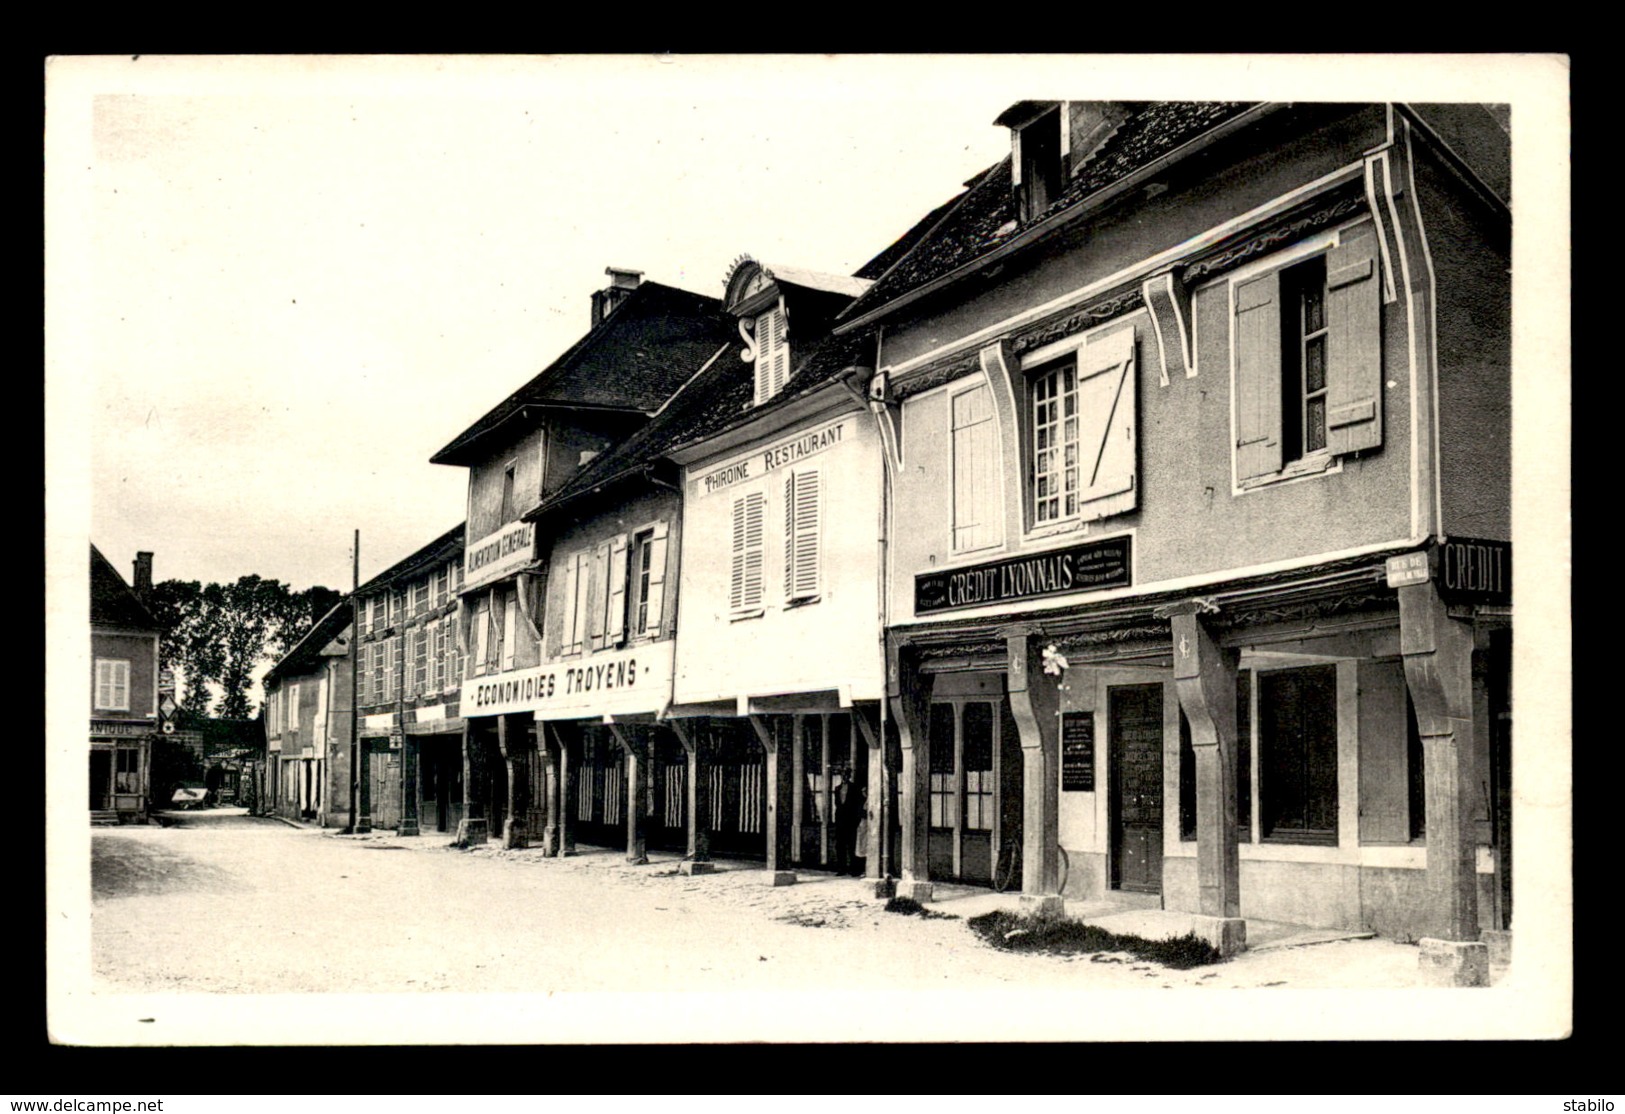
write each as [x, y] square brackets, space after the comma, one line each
[1078, 568]
[637, 679]
[495, 555]
[1078, 752]
[1474, 570]
[775, 456]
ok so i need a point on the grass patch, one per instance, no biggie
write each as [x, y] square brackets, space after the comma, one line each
[908, 907]
[1060, 936]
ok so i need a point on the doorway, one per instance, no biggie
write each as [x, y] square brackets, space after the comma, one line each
[1134, 720]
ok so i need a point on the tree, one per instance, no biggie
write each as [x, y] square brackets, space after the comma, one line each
[220, 634]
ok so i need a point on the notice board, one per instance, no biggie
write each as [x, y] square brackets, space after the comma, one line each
[1078, 752]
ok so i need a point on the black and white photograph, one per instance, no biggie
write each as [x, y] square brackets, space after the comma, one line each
[693, 549]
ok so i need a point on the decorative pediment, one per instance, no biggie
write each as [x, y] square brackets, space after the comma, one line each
[749, 287]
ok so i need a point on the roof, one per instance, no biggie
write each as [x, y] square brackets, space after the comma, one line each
[881, 263]
[441, 549]
[631, 362]
[818, 280]
[986, 216]
[113, 603]
[306, 654]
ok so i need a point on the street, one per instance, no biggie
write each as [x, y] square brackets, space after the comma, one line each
[251, 906]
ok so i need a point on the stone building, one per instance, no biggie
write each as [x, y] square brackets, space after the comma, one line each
[307, 709]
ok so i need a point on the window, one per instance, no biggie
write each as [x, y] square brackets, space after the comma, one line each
[420, 596]
[944, 791]
[648, 581]
[293, 708]
[510, 630]
[362, 626]
[1082, 437]
[976, 470]
[746, 577]
[420, 661]
[802, 515]
[112, 685]
[976, 730]
[394, 608]
[507, 509]
[1039, 167]
[1244, 766]
[1308, 351]
[442, 579]
[772, 353]
[610, 569]
[127, 775]
[392, 667]
[577, 580]
[1297, 743]
[379, 692]
[454, 657]
[380, 612]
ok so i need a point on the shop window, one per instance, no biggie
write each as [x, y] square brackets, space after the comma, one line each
[976, 470]
[112, 685]
[746, 578]
[1308, 351]
[1244, 767]
[976, 730]
[1297, 759]
[944, 795]
[1081, 435]
[127, 773]
[803, 515]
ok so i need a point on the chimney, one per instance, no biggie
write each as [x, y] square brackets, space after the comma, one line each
[143, 576]
[621, 283]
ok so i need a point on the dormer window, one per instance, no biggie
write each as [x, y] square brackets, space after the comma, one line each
[1039, 146]
[754, 297]
[772, 352]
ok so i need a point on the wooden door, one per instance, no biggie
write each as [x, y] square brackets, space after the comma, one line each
[1135, 724]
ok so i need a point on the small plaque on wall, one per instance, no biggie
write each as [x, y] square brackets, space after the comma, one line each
[1078, 752]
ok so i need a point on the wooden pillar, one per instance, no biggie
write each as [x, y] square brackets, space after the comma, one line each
[363, 789]
[1438, 653]
[798, 782]
[699, 793]
[547, 745]
[636, 748]
[910, 696]
[1035, 706]
[826, 798]
[778, 789]
[874, 812]
[569, 776]
[513, 741]
[1205, 678]
[409, 786]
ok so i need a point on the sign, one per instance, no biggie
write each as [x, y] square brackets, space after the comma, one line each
[775, 456]
[1078, 568]
[1472, 570]
[166, 681]
[631, 680]
[496, 555]
[1407, 568]
[1078, 752]
[167, 705]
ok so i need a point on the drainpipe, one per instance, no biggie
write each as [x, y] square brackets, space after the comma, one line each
[355, 650]
[881, 840]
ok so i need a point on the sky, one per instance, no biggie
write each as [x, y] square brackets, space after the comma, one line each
[281, 285]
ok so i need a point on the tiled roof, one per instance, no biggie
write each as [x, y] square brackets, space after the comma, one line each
[113, 602]
[441, 549]
[633, 360]
[307, 652]
[986, 217]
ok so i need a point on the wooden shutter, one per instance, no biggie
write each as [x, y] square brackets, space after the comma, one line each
[1384, 736]
[657, 580]
[510, 630]
[597, 593]
[1258, 376]
[615, 620]
[802, 516]
[1353, 344]
[975, 470]
[1108, 456]
[745, 584]
[772, 355]
[493, 657]
[568, 613]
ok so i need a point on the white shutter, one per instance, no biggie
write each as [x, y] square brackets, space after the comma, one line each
[764, 357]
[510, 631]
[597, 595]
[1258, 376]
[975, 470]
[482, 632]
[497, 633]
[803, 529]
[657, 581]
[745, 589]
[1106, 430]
[615, 621]
[104, 684]
[779, 367]
[1354, 344]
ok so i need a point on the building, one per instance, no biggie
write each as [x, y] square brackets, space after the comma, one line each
[646, 340]
[123, 691]
[408, 722]
[1197, 420]
[309, 700]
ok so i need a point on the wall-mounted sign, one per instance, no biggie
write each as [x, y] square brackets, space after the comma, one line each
[1078, 568]
[1078, 752]
[512, 547]
[626, 681]
[1407, 568]
[1472, 569]
[775, 456]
